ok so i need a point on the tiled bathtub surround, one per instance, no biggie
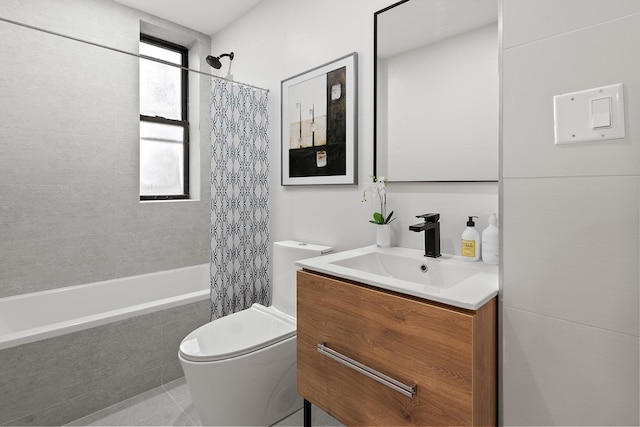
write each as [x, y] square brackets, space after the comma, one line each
[61, 379]
[71, 212]
[69, 178]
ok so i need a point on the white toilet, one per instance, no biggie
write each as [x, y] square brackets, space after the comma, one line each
[241, 368]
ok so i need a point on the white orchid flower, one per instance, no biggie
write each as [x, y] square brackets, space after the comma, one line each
[379, 189]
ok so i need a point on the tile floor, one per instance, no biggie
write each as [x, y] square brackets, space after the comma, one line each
[171, 405]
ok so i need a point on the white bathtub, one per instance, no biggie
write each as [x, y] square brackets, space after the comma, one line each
[39, 315]
[69, 352]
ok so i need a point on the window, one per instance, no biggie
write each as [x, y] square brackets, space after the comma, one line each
[164, 126]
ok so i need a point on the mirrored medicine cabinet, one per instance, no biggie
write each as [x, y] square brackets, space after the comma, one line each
[436, 91]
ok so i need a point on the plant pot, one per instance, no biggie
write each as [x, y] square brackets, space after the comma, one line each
[383, 235]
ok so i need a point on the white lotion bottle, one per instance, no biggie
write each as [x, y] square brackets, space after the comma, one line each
[491, 241]
[471, 241]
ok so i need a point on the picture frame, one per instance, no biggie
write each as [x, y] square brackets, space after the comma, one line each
[319, 141]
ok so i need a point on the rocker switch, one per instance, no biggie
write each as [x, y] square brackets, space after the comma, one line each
[601, 113]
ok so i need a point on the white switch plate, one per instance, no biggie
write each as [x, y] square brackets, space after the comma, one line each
[573, 115]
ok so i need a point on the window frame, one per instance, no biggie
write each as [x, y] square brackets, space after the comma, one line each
[184, 122]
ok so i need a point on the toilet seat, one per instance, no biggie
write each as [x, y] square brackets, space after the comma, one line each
[237, 334]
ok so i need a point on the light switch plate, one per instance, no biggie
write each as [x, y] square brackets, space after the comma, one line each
[574, 117]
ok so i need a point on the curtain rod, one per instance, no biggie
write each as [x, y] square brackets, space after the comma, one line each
[150, 58]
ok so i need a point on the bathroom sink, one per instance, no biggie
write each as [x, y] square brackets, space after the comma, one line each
[421, 270]
[448, 279]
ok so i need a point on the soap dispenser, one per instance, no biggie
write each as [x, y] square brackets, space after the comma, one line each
[491, 242]
[471, 241]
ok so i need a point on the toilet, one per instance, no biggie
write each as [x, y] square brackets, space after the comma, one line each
[241, 368]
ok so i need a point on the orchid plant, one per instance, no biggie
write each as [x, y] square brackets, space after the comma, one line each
[379, 190]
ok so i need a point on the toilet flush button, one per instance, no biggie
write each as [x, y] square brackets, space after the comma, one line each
[589, 115]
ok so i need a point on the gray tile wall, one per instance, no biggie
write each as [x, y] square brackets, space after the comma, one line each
[61, 379]
[70, 211]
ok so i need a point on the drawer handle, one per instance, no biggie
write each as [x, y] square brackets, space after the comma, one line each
[408, 391]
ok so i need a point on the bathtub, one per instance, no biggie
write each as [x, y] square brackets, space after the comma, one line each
[71, 351]
[39, 315]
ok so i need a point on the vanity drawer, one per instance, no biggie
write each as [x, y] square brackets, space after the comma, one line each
[408, 339]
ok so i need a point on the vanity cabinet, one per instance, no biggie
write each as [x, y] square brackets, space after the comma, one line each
[347, 331]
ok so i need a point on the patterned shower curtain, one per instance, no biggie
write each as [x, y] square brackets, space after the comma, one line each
[239, 198]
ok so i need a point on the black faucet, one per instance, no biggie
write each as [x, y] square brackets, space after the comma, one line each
[431, 228]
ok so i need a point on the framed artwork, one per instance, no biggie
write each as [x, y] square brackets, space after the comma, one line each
[319, 124]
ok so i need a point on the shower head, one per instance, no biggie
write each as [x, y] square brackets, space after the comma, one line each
[214, 61]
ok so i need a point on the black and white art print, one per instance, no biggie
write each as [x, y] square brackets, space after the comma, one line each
[319, 132]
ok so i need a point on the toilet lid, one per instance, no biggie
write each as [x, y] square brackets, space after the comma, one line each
[237, 334]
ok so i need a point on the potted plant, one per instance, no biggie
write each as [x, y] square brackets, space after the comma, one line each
[380, 219]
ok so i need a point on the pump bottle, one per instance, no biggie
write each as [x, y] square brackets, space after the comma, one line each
[471, 241]
[491, 242]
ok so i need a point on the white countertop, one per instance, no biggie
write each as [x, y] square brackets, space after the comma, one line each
[450, 279]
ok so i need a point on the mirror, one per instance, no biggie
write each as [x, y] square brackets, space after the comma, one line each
[436, 91]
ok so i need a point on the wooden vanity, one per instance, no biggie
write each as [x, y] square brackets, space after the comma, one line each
[369, 356]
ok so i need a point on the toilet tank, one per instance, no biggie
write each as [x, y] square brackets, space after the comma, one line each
[285, 254]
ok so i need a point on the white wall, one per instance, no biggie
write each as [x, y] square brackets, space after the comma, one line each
[570, 219]
[570, 214]
[281, 38]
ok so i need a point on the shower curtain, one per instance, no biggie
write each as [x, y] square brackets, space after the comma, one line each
[239, 198]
